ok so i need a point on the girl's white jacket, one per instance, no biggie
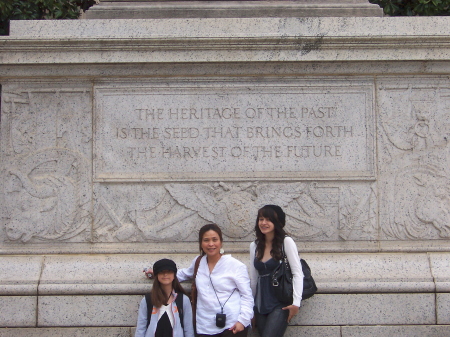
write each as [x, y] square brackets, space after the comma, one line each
[178, 331]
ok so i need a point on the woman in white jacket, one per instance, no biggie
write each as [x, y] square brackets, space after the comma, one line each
[223, 287]
[272, 316]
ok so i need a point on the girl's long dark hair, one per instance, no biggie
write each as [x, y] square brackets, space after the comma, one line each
[158, 296]
[277, 243]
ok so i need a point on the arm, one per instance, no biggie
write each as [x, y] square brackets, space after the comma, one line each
[291, 251]
[247, 303]
[187, 318]
[185, 274]
[141, 326]
[252, 270]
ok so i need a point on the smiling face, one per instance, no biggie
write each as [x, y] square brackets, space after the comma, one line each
[265, 225]
[166, 277]
[211, 243]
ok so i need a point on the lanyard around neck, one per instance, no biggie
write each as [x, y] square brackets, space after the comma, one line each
[221, 306]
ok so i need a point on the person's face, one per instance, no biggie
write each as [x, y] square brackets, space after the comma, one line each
[211, 243]
[265, 225]
[166, 277]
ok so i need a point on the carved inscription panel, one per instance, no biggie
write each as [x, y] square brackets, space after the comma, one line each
[215, 131]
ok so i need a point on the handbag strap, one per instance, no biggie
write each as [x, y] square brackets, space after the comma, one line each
[197, 264]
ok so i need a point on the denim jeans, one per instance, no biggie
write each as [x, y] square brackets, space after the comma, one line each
[273, 324]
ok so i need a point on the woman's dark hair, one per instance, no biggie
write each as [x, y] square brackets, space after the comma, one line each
[158, 296]
[203, 230]
[276, 215]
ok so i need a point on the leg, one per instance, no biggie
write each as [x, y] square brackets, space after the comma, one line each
[260, 321]
[273, 324]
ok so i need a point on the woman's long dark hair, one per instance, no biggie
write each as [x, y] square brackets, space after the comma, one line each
[269, 212]
[158, 296]
[203, 230]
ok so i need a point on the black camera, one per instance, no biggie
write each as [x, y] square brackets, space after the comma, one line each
[221, 320]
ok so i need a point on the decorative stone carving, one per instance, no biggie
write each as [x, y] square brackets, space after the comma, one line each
[358, 213]
[415, 119]
[49, 198]
[46, 141]
[174, 212]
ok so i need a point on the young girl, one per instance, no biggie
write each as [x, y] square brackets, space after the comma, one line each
[165, 314]
[272, 317]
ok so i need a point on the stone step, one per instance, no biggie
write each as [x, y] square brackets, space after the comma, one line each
[121, 9]
[106, 274]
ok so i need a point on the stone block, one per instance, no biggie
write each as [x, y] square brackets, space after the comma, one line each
[443, 308]
[19, 275]
[18, 311]
[66, 332]
[241, 9]
[100, 274]
[307, 331]
[367, 309]
[346, 273]
[88, 311]
[397, 331]
[440, 268]
[227, 40]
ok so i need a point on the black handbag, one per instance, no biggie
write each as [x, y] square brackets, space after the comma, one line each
[309, 285]
[282, 281]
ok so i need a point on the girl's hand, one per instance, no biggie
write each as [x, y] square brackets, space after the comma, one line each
[238, 327]
[148, 272]
[293, 310]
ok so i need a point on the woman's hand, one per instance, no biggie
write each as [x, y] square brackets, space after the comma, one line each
[238, 327]
[293, 310]
[148, 272]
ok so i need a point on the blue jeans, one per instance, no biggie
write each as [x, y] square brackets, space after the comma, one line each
[273, 324]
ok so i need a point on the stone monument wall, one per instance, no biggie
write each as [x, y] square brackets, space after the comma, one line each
[121, 138]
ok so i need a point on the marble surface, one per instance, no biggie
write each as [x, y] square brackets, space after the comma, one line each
[172, 9]
[367, 309]
[88, 311]
[229, 28]
[18, 311]
[66, 332]
[443, 308]
[377, 240]
[225, 40]
[122, 273]
[20, 275]
[398, 331]
[440, 268]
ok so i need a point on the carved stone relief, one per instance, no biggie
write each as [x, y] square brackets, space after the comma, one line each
[414, 157]
[175, 212]
[46, 145]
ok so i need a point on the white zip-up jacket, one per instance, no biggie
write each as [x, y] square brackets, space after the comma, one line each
[178, 331]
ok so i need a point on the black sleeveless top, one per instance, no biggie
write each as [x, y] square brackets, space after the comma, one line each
[265, 296]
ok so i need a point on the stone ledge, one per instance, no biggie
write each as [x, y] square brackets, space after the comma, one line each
[230, 9]
[226, 40]
[67, 332]
[320, 310]
[292, 331]
[231, 247]
[122, 273]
